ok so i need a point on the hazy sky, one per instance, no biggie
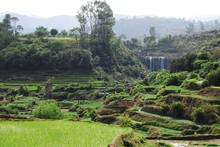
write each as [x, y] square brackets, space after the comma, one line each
[167, 8]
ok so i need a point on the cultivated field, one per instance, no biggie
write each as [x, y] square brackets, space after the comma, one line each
[56, 133]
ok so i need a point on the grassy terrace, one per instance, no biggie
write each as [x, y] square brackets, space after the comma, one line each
[56, 133]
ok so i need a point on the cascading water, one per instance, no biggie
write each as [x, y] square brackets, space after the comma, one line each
[156, 63]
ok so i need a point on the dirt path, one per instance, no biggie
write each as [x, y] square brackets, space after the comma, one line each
[176, 143]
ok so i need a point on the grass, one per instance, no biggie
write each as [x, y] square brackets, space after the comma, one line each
[216, 125]
[56, 133]
[150, 96]
[168, 131]
[178, 88]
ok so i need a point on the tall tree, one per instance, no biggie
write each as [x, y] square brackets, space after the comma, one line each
[190, 29]
[7, 21]
[6, 33]
[14, 27]
[152, 32]
[96, 22]
[75, 32]
[19, 29]
[202, 27]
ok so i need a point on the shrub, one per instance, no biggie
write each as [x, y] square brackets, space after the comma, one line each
[192, 75]
[198, 63]
[205, 83]
[91, 113]
[214, 77]
[48, 110]
[177, 109]
[198, 114]
[206, 114]
[216, 130]
[144, 128]
[203, 56]
[23, 91]
[165, 108]
[173, 80]
[126, 121]
[191, 84]
[162, 76]
[146, 81]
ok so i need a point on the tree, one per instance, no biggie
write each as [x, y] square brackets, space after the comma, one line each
[75, 32]
[6, 34]
[53, 32]
[190, 29]
[7, 21]
[64, 33]
[41, 31]
[96, 22]
[152, 32]
[14, 27]
[202, 27]
[19, 29]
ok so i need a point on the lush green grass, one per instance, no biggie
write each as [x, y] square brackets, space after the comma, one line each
[182, 90]
[216, 125]
[168, 131]
[150, 96]
[56, 133]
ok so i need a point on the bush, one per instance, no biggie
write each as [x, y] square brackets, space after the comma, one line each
[198, 115]
[173, 80]
[146, 81]
[165, 108]
[206, 114]
[48, 110]
[126, 121]
[191, 84]
[162, 76]
[91, 113]
[23, 91]
[214, 77]
[177, 109]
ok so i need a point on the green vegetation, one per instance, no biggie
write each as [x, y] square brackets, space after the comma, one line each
[91, 75]
[56, 133]
[48, 110]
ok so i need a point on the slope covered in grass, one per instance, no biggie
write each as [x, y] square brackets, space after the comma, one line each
[56, 133]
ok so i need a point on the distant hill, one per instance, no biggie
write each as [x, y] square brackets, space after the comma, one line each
[134, 27]
[130, 26]
[59, 22]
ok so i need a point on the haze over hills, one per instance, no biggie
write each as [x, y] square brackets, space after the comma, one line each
[130, 26]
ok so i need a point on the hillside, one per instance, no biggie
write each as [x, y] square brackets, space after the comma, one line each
[176, 46]
[127, 25]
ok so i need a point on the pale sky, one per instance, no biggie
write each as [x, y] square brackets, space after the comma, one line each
[167, 8]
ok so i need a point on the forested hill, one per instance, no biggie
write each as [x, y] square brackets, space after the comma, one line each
[127, 25]
[176, 46]
[137, 27]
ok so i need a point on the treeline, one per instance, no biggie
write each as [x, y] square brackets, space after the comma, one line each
[91, 46]
[42, 54]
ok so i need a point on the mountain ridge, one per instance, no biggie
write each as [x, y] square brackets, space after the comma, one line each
[130, 26]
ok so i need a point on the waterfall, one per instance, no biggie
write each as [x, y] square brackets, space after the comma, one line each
[156, 63]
